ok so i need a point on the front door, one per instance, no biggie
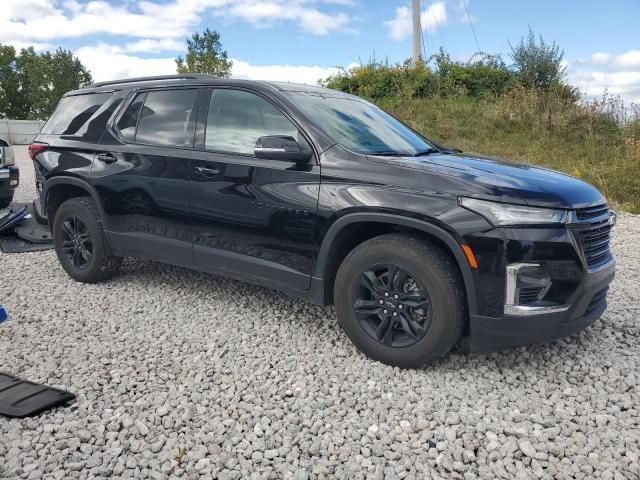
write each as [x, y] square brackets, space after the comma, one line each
[141, 173]
[251, 217]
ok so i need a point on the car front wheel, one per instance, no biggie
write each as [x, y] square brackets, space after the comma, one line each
[400, 300]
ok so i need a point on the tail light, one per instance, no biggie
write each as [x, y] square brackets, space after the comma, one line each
[36, 148]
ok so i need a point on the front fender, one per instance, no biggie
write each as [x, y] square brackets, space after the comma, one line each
[445, 237]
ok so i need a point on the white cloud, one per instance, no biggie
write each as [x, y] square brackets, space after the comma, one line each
[152, 45]
[264, 14]
[431, 18]
[45, 20]
[109, 62]
[283, 73]
[434, 16]
[37, 46]
[400, 26]
[618, 74]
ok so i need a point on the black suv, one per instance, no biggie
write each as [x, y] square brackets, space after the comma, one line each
[324, 196]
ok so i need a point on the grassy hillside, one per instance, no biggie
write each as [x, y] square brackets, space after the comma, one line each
[584, 140]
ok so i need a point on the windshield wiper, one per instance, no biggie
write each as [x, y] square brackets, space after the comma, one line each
[426, 151]
[389, 153]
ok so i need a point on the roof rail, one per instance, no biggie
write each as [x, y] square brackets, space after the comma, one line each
[188, 76]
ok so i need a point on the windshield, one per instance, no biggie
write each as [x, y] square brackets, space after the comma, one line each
[360, 126]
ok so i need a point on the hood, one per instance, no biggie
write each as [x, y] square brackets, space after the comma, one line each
[494, 179]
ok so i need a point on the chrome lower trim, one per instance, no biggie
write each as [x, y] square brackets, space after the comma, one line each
[510, 306]
[524, 310]
[4, 173]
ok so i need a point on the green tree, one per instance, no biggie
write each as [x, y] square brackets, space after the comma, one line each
[31, 84]
[13, 102]
[537, 63]
[205, 55]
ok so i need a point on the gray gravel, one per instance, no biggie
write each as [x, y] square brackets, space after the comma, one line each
[181, 374]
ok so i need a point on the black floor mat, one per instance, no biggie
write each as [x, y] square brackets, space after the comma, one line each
[15, 244]
[29, 229]
[21, 398]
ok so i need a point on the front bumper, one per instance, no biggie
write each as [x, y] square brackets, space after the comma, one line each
[587, 303]
[9, 180]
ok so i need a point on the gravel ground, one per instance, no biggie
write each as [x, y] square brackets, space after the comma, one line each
[181, 374]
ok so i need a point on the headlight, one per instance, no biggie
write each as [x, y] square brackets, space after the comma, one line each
[500, 214]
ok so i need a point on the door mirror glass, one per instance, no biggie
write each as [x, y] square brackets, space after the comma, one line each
[281, 147]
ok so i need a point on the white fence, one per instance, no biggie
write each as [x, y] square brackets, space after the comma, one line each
[19, 132]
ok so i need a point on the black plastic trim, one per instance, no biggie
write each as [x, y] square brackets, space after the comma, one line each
[219, 262]
[66, 180]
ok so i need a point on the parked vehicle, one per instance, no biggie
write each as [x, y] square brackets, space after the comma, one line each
[324, 196]
[9, 174]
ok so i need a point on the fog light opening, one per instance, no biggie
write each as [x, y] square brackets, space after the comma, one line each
[526, 286]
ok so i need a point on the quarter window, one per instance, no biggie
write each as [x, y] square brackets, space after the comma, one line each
[164, 118]
[236, 119]
[73, 113]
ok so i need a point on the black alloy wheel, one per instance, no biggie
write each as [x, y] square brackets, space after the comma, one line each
[392, 307]
[77, 245]
[400, 299]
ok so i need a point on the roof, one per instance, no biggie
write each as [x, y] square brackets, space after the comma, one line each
[196, 79]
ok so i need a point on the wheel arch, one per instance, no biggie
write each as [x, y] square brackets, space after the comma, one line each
[59, 189]
[335, 246]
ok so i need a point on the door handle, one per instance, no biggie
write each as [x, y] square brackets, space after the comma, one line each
[207, 172]
[106, 157]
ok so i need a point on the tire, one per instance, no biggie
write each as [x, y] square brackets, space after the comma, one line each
[5, 202]
[424, 277]
[94, 263]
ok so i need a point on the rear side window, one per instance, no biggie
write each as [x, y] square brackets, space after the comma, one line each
[129, 120]
[73, 113]
[164, 118]
[237, 118]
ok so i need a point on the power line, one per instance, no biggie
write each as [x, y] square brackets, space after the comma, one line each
[471, 23]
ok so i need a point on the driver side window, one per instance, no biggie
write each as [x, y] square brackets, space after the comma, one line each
[236, 119]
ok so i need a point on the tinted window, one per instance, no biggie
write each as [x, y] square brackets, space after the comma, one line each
[236, 119]
[129, 120]
[164, 118]
[73, 113]
[359, 125]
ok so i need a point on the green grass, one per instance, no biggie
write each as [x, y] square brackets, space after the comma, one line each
[583, 140]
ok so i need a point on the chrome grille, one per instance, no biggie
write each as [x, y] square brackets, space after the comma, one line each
[593, 233]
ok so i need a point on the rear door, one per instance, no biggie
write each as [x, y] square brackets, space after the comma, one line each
[141, 173]
[251, 217]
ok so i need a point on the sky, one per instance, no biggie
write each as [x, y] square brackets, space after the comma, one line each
[305, 40]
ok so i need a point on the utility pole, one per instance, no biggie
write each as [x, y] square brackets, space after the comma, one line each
[417, 32]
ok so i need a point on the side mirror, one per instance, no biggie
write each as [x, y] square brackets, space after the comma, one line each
[281, 147]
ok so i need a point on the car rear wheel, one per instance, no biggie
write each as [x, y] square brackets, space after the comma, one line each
[79, 242]
[400, 300]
